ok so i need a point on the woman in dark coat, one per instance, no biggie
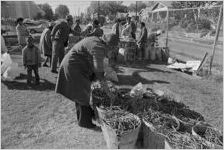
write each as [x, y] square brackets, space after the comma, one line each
[46, 44]
[82, 65]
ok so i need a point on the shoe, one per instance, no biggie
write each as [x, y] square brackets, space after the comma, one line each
[54, 71]
[97, 129]
[91, 127]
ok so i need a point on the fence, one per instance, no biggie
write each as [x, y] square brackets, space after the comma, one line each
[189, 32]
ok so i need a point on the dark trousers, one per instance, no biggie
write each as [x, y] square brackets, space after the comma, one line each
[85, 114]
[31, 68]
[57, 54]
[133, 35]
[141, 52]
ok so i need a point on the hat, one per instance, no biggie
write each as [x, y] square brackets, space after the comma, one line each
[19, 19]
[69, 17]
[111, 39]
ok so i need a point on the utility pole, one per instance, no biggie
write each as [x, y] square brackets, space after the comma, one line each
[167, 27]
[98, 15]
[216, 36]
[136, 12]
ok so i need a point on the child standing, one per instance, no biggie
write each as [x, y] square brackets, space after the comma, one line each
[31, 60]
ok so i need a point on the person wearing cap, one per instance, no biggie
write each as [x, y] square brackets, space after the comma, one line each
[21, 31]
[116, 27]
[96, 29]
[133, 28]
[4, 49]
[142, 41]
[77, 29]
[87, 30]
[82, 65]
[127, 28]
[31, 60]
[45, 45]
[59, 37]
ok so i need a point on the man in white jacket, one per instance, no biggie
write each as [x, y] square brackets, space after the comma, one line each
[3, 47]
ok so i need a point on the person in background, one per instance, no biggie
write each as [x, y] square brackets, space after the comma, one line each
[4, 49]
[115, 28]
[133, 28]
[77, 29]
[46, 44]
[87, 30]
[31, 60]
[142, 41]
[21, 31]
[96, 29]
[82, 65]
[59, 37]
[127, 28]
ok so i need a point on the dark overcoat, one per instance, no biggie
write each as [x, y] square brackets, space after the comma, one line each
[77, 69]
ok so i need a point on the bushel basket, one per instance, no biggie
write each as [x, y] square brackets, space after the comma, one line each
[200, 130]
[126, 140]
[153, 139]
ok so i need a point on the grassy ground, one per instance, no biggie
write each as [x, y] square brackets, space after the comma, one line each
[37, 117]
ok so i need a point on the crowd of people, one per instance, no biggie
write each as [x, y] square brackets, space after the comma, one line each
[83, 64]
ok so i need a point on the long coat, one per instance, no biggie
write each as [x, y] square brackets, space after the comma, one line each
[78, 67]
[45, 42]
[22, 33]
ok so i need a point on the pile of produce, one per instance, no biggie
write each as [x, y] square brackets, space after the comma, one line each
[180, 110]
[123, 99]
[212, 136]
[139, 106]
[161, 121]
[103, 93]
[121, 121]
[172, 119]
[186, 141]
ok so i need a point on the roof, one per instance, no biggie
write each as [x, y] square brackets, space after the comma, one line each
[162, 5]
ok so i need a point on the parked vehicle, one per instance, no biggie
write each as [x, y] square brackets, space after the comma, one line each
[32, 28]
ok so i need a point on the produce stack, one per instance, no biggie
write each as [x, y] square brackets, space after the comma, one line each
[166, 123]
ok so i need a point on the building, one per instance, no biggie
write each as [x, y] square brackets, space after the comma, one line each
[16, 9]
[160, 6]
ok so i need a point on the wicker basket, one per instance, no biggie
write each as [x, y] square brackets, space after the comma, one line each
[153, 139]
[125, 141]
[199, 128]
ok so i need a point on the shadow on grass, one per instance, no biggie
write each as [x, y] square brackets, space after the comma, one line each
[135, 78]
[43, 86]
[145, 66]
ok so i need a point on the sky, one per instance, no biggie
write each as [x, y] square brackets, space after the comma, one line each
[75, 6]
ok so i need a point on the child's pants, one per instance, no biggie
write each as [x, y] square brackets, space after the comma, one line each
[29, 73]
